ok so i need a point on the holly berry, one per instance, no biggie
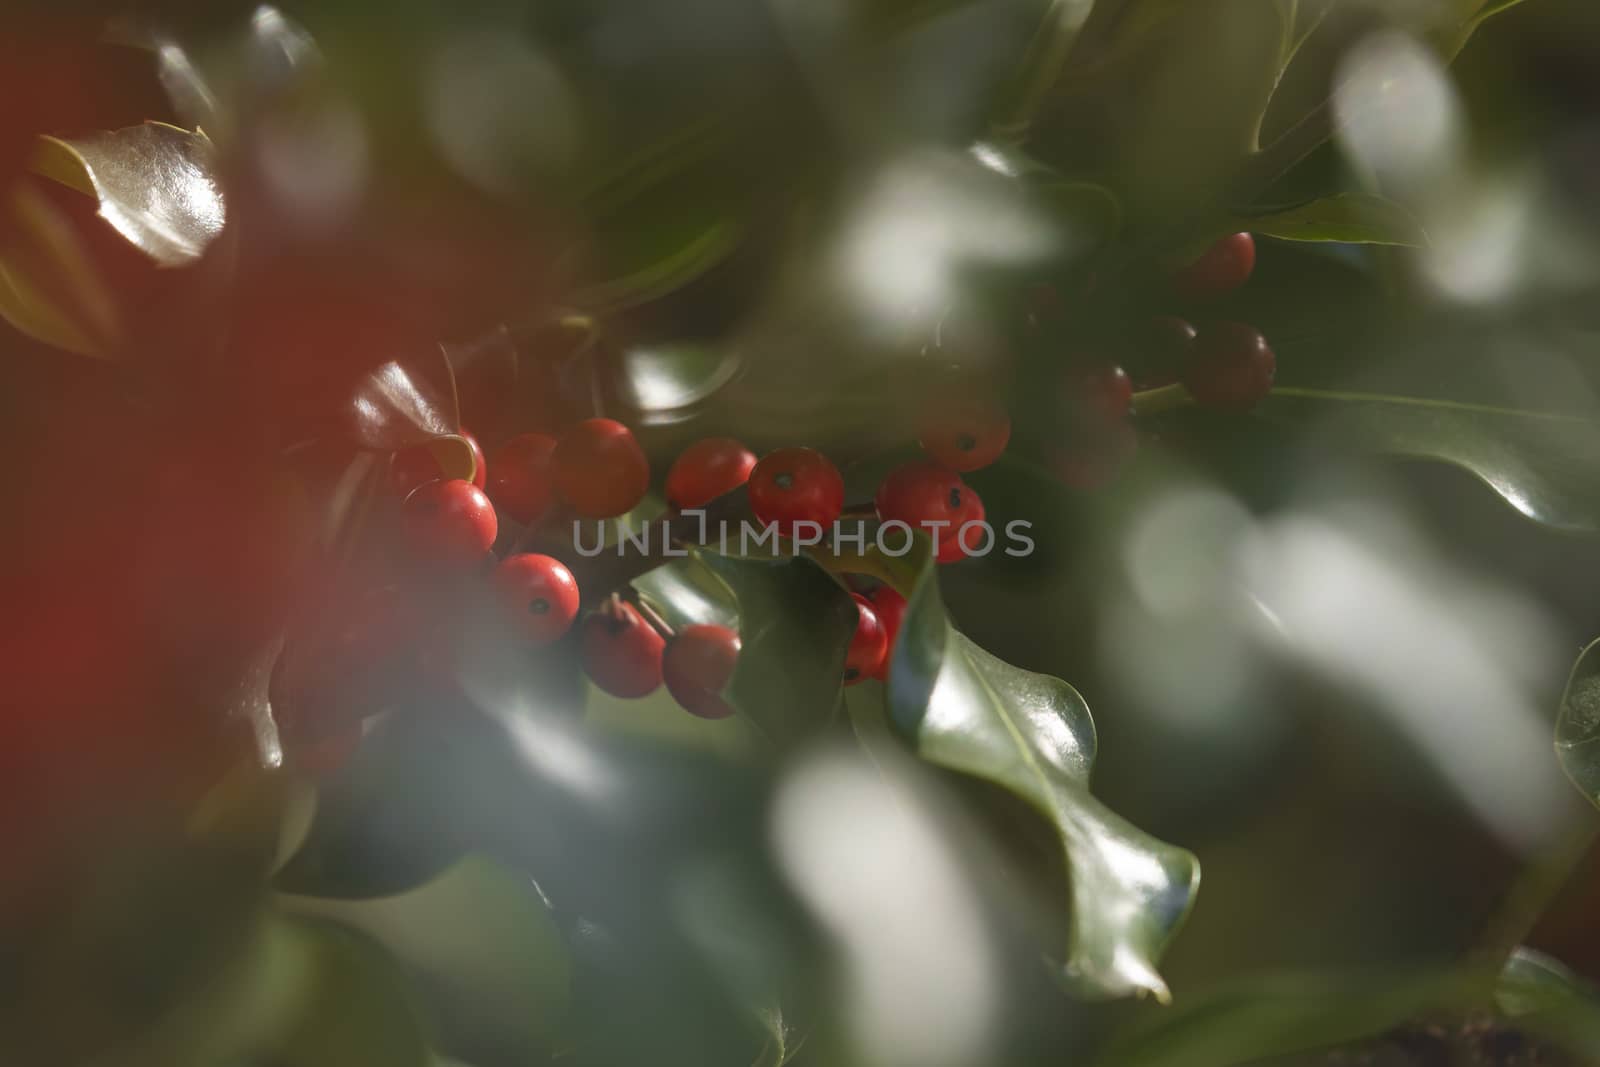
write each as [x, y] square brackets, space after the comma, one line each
[524, 476]
[890, 607]
[449, 522]
[1230, 368]
[418, 465]
[698, 665]
[706, 470]
[1220, 270]
[869, 645]
[795, 485]
[1100, 395]
[621, 651]
[539, 593]
[600, 469]
[965, 435]
[929, 498]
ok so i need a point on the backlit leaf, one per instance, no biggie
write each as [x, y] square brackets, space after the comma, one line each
[156, 185]
[1543, 465]
[1351, 218]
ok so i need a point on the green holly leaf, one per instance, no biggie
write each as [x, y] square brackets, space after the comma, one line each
[1263, 1017]
[480, 944]
[1578, 725]
[1351, 218]
[156, 185]
[963, 709]
[1543, 465]
[795, 625]
[794, 621]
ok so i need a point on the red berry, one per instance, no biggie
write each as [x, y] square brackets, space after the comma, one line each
[480, 469]
[1101, 394]
[890, 607]
[621, 651]
[1230, 368]
[926, 497]
[1221, 269]
[869, 646]
[539, 594]
[523, 478]
[600, 469]
[795, 485]
[698, 665]
[707, 469]
[966, 434]
[450, 522]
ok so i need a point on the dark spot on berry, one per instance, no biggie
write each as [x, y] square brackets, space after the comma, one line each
[966, 442]
[784, 480]
[851, 674]
[955, 499]
[539, 607]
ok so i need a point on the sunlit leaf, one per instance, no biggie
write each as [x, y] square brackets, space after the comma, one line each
[156, 185]
[966, 710]
[1543, 465]
[1262, 1017]
[1351, 218]
[661, 382]
[400, 405]
[1578, 725]
[50, 288]
[480, 944]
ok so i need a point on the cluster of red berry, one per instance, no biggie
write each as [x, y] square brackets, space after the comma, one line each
[1224, 366]
[1227, 365]
[598, 470]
